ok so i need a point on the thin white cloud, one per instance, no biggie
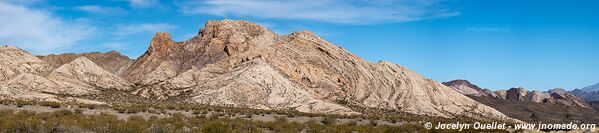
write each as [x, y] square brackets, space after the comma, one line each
[143, 3]
[37, 30]
[100, 9]
[116, 45]
[23, 2]
[131, 29]
[333, 11]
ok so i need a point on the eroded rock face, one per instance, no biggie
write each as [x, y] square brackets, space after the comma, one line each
[217, 40]
[557, 96]
[162, 48]
[240, 63]
[113, 62]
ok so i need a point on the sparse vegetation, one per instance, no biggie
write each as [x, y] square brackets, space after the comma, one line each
[50, 104]
[199, 118]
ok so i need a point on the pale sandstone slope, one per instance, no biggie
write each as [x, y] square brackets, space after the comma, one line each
[14, 61]
[83, 76]
[21, 75]
[112, 61]
[26, 77]
[242, 64]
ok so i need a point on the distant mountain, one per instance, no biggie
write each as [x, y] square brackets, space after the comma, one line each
[589, 93]
[594, 87]
[521, 103]
[556, 96]
[238, 64]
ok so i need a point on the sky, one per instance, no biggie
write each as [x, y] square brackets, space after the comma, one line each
[536, 44]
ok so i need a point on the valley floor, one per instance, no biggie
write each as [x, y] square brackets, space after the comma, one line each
[26, 116]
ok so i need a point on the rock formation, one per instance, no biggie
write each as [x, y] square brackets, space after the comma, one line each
[26, 77]
[589, 93]
[113, 62]
[239, 63]
[554, 96]
[14, 61]
[84, 76]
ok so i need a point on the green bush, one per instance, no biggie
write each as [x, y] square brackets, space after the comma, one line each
[50, 104]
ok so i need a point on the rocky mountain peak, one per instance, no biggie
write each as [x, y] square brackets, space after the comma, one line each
[517, 94]
[160, 43]
[217, 40]
[558, 91]
[220, 28]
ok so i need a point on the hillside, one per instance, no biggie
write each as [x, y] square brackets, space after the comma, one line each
[242, 64]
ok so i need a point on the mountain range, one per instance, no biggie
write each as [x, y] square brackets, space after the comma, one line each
[589, 93]
[238, 64]
[555, 105]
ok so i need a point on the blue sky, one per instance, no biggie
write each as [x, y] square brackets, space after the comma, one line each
[536, 44]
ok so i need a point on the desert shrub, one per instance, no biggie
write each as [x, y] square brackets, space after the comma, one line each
[328, 120]
[352, 123]
[50, 104]
[373, 123]
[78, 111]
[216, 127]
[21, 103]
[281, 119]
[88, 106]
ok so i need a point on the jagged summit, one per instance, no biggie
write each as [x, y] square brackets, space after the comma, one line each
[239, 26]
[161, 43]
[217, 40]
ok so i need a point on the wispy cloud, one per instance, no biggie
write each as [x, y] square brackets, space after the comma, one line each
[333, 11]
[143, 3]
[116, 45]
[131, 29]
[23, 2]
[100, 9]
[39, 31]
